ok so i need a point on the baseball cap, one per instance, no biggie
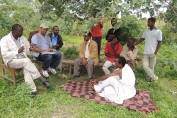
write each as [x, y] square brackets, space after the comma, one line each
[44, 25]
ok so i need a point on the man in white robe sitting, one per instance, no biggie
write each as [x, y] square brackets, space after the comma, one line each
[118, 85]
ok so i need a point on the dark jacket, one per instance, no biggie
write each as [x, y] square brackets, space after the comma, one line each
[59, 40]
[113, 32]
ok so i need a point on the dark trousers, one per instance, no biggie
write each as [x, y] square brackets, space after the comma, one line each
[49, 60]
[98, 41]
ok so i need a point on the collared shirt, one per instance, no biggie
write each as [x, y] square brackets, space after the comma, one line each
[45, 45]
[151, 40]
[87, 49]
[96, 30]
[109, 50]
[54, 39]
[127, 54]
[17, 41]
[19, 45]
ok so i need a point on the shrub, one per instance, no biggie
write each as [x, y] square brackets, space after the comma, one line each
[71, 53]
[169, 34]
[130, 27]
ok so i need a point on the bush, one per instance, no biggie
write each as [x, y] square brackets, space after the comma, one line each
[169, 35]
[130, 27]
[5, 24]
[71, 53]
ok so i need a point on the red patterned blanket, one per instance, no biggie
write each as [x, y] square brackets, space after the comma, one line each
[140, 102]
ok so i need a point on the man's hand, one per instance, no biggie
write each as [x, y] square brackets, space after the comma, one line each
[21, 49]
[31, 48]
[49, 50]
[92, 83]
[84, 61]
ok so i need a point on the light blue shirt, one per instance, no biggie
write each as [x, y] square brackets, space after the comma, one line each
[54, 40]
[45, 45]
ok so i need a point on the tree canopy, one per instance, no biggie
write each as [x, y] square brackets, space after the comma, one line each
[71, 11]
[83, 9]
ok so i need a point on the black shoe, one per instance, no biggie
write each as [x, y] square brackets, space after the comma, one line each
[45, 83]
[33, 94]
[76, 76]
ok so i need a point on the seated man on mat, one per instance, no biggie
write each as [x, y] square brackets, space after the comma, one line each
[118, 85]
[88, 56]
[44, 52]
[14, 50]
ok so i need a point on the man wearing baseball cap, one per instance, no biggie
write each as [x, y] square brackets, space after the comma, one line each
[44, 52]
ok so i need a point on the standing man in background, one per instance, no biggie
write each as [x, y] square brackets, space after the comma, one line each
[113, 32]
[153, 39]
[97, 34]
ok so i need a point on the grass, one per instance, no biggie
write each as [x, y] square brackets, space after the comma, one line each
[16, 102]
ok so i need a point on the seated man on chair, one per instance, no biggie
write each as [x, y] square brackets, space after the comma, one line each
[57, 42]
[43, 50]
[88, 56]
[112, 51]
[118, 85]
[14, 50]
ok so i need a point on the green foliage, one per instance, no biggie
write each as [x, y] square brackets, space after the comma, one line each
[71, 53]
[52, 7]
[25, 17]
[171, 14]
[130, 27]
[92, 22]
[15, 101]
[169, 35]
[5, 24]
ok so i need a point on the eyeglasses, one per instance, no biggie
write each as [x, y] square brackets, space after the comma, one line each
[45, 28]
[86, 35]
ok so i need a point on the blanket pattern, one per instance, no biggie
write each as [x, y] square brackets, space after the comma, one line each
[140, 102]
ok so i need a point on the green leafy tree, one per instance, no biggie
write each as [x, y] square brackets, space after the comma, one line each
[5, 24]
[171, 15]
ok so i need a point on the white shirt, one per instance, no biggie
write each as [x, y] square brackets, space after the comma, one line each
[128, 55]
[116, 89]
[87, 49]
[9, 49]
[19, 45]
[151, 40]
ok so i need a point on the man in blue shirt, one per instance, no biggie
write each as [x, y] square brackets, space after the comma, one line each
[57, 42]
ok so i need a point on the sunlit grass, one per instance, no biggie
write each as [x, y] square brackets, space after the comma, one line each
[15, 101]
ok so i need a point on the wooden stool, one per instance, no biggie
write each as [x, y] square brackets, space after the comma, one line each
[14, 72]
[40, 63]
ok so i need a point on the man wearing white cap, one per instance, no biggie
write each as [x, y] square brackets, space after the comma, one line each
[44, 52]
